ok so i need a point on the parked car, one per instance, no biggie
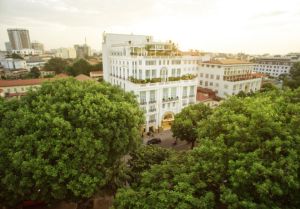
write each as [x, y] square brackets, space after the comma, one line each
[154, 141]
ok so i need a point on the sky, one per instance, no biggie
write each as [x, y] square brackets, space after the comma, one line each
[232, 26]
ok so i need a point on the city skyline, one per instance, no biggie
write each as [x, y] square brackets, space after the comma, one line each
[232, 26]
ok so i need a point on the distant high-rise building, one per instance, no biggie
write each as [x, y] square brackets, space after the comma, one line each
[19, 39]
[65, 53]
[82, 51]
[8, 46]
[37, 46]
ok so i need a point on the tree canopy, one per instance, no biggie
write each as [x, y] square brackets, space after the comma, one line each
[64, 140]
[56, 64]
[294, 80]
[184, 126]
[247, 157]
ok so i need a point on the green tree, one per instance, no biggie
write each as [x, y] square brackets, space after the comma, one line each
[80, 67]
[143, 158]
[268, 87]
[294, 80]
[184, 126]
[56, 64]
[34, 73]
[64, 140]
[247, 157]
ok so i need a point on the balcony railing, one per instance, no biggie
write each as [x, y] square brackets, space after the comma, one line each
[152, 101]
[192, 95]
[143, 102]
[152, 110]
[152, 121]
[185, 96]
[170, 99]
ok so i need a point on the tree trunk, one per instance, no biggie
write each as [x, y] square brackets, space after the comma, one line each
[193, 144]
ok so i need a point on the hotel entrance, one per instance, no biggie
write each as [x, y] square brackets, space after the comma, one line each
[167, 121]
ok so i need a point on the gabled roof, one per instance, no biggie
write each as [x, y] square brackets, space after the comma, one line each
[83, 77]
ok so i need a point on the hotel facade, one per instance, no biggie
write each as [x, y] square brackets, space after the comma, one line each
[162, 78]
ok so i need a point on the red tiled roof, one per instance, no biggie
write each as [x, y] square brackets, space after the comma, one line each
[83, 77]
[201, 97]
[27, 82]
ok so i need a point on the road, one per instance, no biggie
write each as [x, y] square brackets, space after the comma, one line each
[168, 140]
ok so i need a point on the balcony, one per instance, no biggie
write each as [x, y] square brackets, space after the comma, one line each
[184, 96]
[152, 121]
[152, 109]
[143, 102]
[170, 99]
[152, 101]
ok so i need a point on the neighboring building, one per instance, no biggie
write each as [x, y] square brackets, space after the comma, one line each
[163, 80]
[82, 51]
[19, 39]
[37, 46]
[18, 88]
[26, 52]
[45, 73]
[96, 75]
[66, 53]
[8, 47]
[13, 64]
[207, 97]
[273, 66]
[228, 77]
[35, 61]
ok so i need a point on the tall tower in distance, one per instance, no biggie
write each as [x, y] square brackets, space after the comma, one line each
[19, 38]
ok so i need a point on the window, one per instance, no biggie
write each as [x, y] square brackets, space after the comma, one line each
[143, 97]
[150, 62]
[218, 77]
[225, 86]
[140, 74]
[192, 90]
[184, 93]
[152, 96]
[211, 76]
[173, 72]
[178, 72]
[206, 75]
[147, 74]
[211, 84]
[206, 83]
[153, 73]
[200, 83]
[165, 93]
[173, 92]
[201, 75]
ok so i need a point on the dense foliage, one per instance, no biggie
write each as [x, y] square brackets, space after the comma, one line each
[64, 141]
[294, 80]
[185, 126]
[56, 64]
[143, 158]
[247, 157]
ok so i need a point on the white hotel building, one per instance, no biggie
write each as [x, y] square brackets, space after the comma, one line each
[163, 80]
[228, 77]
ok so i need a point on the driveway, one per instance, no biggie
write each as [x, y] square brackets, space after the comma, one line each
[168, 140]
